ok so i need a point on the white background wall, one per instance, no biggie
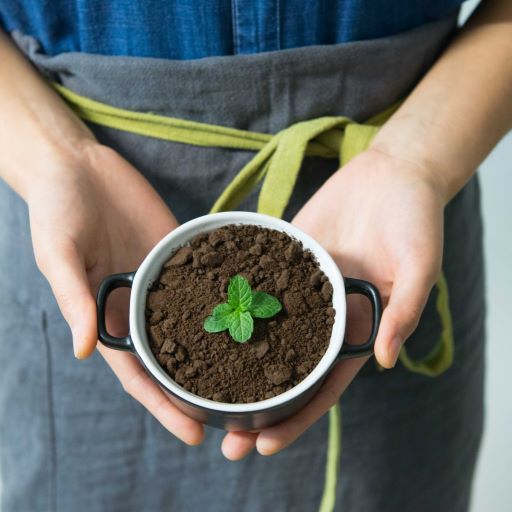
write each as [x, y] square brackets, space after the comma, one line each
[493, 485]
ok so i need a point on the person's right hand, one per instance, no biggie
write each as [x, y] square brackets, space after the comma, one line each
[92, 214]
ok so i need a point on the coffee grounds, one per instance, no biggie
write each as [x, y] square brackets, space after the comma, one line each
[282, 351]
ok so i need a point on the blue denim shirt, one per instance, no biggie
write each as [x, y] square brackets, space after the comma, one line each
[193, 29]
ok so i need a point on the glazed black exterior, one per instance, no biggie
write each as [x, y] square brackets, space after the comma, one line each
[244, 420]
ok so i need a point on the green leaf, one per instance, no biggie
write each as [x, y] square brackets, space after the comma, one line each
[211, 324]
[220, 318]
[239, 293]
[264, 305]
[241, 326]
[222, 310]
[237, 314]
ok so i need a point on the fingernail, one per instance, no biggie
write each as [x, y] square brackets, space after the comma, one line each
[265, 446]
[76, 344]
[396, 345]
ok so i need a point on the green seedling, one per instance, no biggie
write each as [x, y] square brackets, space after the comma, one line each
[238, 312]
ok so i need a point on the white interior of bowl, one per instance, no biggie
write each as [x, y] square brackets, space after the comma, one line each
[149, 271]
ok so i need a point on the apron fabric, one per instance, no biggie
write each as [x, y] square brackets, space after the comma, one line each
[410, 442]
[276, 165]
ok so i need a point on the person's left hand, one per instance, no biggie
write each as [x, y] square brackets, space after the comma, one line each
[381, 218]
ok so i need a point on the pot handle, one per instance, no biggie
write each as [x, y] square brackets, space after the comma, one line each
[368, 290]
[107, 286]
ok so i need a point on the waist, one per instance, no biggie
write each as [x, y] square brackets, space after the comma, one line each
[263, 92]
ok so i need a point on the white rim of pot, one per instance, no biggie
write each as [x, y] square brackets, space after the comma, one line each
[150, 269]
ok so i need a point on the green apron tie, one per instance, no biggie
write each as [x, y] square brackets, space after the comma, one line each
[277, 164]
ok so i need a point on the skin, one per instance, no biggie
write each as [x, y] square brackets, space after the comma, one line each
[390, 234]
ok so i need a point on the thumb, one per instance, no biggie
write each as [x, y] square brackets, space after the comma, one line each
[408, 297]
[64, 269]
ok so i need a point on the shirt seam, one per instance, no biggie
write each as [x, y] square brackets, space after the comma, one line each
[278, 25]
[234, 16]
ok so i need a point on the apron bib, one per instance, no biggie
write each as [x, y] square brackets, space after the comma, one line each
[397, 426]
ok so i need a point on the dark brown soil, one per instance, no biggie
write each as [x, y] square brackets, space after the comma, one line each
[282, 351]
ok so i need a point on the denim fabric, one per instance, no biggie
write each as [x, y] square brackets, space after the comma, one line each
[175, 29]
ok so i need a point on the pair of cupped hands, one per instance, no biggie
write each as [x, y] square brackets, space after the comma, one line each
[93, 214]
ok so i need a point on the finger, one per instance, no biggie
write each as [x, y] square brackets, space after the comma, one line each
[65, 270]
[274, 439]
[407, 300]
[137, 383]
[237, 445]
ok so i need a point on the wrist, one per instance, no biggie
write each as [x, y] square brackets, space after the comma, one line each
[37, 129]
[35, 154]
[436, 156]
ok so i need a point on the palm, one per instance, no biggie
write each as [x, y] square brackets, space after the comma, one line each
[94, 221]
[377, 235]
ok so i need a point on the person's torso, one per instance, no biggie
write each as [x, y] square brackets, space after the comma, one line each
[189, 30]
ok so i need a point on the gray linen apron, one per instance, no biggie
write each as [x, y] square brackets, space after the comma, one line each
[72, 440]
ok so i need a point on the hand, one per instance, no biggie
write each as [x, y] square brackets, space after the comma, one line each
[89, 217]
[381, 218]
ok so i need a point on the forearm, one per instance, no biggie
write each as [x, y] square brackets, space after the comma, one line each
[462, 107]
[36, 127]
